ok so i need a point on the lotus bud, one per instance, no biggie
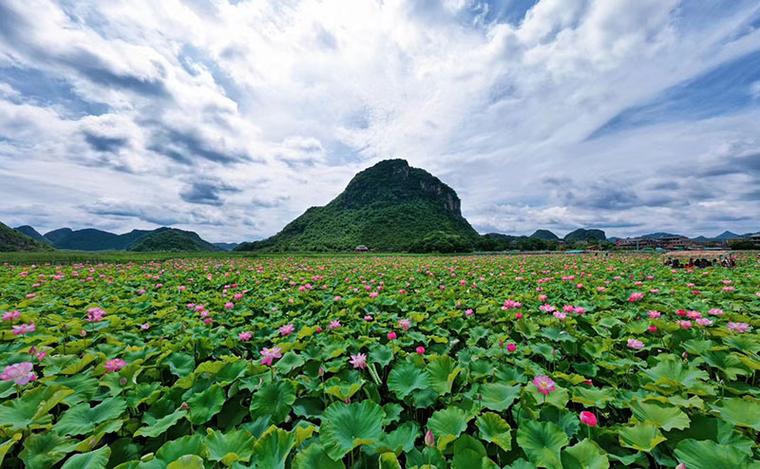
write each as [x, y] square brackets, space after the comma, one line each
[429, 439]
[184, 406]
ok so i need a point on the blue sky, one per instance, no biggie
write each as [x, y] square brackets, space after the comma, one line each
[232, 118]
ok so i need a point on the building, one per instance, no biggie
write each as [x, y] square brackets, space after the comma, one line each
[636, 243]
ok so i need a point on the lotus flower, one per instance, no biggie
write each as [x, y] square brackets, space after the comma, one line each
[287, 329]
[359, 360]
[635, 344]
[429, 439]
[115, 365]
[95, 314]
[269, 355]
[544, 384]
[391, 335]
[635, 296]
[588, 418]
[22, 329]
[245, 336]
[20, 373]
[511, 347]
[739, 327]
[11, 315]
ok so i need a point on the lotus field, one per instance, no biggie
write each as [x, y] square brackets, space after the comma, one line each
[417, 362]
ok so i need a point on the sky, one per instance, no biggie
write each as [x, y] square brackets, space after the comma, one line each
[230, 118]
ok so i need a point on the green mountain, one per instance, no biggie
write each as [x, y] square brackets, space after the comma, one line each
[388, 207]
[91, 239]
[32, 233]
[582, 234]
[546, 235]
[12, 240]
[170, 239]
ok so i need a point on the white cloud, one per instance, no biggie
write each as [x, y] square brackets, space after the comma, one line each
[280, 103]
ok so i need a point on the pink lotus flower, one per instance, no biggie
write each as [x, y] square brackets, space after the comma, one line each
[334, 324]
[511, 347]
[739, 327]
[684, 324]
[469, 312]
[693, 314]
[635, 344]
[511, 304]
[716, 312]
[568, 308]
[19, 373]
[404, 324]
[542, 298]
[245, 336]
[728, 289]
[588, 418]
[601, 289]
[420, 350]
[237, 296]
[22, 329]
[518, 315]
[359, 360]
[654, 314]
[368, 317]
[560, 315]
[115, 365]
[635, 296]
[373, 294]
[544, 384]
[40, 356]
[95, 314]
[704, 322]
[11, 315]
[391, 335]
[145, 326]
[337, 298]
[547, 308]
[579, 310]
[269, 355]
[229, 305]
[287, 329]
[652, 328]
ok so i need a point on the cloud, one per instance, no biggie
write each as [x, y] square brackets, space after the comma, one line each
[232, 118]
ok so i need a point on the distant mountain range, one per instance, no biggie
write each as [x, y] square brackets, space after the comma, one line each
[12, 240]
[91, 239]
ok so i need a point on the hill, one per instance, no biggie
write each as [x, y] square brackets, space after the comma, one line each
[658, 235]
[582, 234]
[32, 233]
[91, 239]
[170, 239]
[388, 207]
[727, 235]
[12, 240]
[226, 246]
[545, 235]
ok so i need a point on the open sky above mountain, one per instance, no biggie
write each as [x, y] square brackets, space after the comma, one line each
[231, 118]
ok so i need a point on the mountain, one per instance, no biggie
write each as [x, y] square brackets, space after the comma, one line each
[658, 235]
[32, 233]
[582, 234]
[57, 235]
[226, 246]
[171, 239]
[726, 235]
[388, 207]
[546, 235]
[91, 239]
[12, 240]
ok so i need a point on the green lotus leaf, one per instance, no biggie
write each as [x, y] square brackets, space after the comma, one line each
[346, 426]
[469, 453]
[154, 427]
[447, 425]
[670, 374]
[381, 354]
[593, 397]
[585, 455]
[82, 419]
[206, 404]
[405, 378]
[740, 412]
[708, 454]
[175, 449]
[542, 442]
[442, 371]
[343, 391]
[399, 440]
[97, 459]
[499, 396]
[642, 436]
[31, 410]
[273, 399]
[314, 457]
[229, 447]
[188, 461]
[495, 429]
[289, 362]
[272, 448]
[664, 416]
[180, 364]
[8, 445]
[43, 450]
[389, 461]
